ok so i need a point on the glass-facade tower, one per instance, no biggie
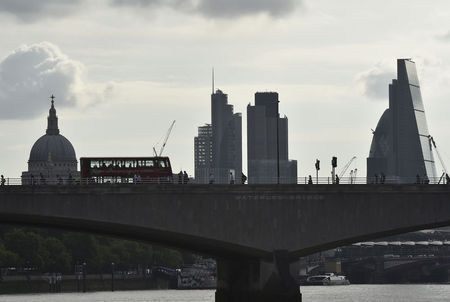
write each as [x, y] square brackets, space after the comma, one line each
[401, 146]
[218, 146]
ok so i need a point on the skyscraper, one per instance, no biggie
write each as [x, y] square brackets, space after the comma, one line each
[226, 143]
[401, 146]
[227, 138]
[203, 154]
[267, 151]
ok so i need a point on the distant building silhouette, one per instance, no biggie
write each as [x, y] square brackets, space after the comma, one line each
[262, 148]
[225, 145]
[203, 154]
[52, 157]
[400, 147]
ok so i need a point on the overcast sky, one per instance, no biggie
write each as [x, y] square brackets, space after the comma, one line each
[122, 70]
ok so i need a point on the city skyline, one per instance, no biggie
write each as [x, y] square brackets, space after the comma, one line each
[118, 86]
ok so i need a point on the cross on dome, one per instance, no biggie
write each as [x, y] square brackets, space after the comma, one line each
[52, 120]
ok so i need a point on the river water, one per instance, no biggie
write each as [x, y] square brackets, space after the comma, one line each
[351, 293]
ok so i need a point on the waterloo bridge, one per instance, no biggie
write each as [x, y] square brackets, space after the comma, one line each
[256, 232]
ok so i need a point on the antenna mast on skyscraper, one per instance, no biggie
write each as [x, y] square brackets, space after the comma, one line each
[213, 80]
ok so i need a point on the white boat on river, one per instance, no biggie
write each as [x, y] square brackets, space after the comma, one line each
[327, 279]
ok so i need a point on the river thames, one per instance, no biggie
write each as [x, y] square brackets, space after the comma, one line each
[351, 293]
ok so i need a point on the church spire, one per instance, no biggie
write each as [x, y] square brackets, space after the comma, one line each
[52, 120]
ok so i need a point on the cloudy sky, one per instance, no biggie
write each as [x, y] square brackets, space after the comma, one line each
[122, 70]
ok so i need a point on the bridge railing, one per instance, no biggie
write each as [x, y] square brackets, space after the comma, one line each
[300, 180]
[373, 180]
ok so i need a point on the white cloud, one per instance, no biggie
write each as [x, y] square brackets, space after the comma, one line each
[31, 73]
[375, 81]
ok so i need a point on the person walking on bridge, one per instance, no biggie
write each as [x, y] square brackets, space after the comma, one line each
[2, 181]
[231, 178]
[185, 178]
[180, 177]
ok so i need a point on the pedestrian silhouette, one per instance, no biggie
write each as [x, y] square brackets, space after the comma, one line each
[180, 177]
[231, 178]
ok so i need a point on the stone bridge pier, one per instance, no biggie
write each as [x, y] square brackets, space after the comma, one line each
[246, 280]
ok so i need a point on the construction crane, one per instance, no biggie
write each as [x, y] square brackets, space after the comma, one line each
[165, 140]
[433, 144]
[346, 167]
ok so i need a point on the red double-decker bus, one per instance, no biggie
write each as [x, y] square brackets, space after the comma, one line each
[126, 170]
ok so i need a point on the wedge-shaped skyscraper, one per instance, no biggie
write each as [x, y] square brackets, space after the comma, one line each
[401, 146]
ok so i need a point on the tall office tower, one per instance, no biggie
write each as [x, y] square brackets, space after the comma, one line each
[226, 139]
[401, 146]
[203, 154]
[266, 150]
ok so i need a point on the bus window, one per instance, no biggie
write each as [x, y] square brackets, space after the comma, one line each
[162, 164]
[149, 163]
[94, 164]
[107, 163]
[117, 163]
[130, 163]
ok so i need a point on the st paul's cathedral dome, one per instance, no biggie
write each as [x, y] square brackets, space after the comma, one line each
[52, 157]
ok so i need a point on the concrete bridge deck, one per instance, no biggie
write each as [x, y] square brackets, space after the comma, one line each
[235, 222]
